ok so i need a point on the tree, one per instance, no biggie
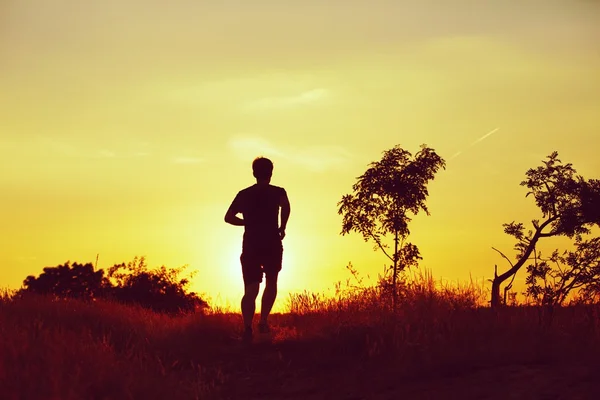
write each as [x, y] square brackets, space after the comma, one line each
[67, 280]
[569, 205]
[384, 196]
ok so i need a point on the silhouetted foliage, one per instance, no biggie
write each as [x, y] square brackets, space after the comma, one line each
[160, 290]
[550, 281]
[570, 207]
[66, 280]
[384, 196]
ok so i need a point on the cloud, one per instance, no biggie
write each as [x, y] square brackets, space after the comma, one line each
[251, 93]
[131, 151]
[254, 145]
[316, 158]
[106, 154]
[81, 150]
[187, 160]
[322, 158]
[60, 147]
[300, 99]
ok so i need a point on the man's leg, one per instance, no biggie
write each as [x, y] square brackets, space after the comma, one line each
[272, 269]
[268, 298]
[249, 303]
[252, 277]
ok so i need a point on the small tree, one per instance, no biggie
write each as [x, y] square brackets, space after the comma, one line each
[569, 204]
[384, 196]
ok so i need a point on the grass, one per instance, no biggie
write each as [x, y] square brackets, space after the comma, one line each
[351, 345]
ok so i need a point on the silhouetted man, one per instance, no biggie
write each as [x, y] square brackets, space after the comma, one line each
[262, 249]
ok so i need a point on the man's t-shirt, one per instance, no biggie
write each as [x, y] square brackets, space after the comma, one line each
[259, 205]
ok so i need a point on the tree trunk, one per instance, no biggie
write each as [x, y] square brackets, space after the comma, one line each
[498, 279]
[395, 273]
[495, 301]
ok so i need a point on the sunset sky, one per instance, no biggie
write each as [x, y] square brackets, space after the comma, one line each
[127, 127]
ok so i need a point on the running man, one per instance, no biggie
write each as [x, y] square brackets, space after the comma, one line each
[262, 248]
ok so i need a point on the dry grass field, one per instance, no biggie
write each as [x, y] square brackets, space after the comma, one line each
[440, 343]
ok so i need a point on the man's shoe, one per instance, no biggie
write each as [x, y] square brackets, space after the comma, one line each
[247, 335]
[264, 328]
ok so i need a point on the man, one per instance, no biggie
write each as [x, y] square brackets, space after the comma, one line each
[262, 248]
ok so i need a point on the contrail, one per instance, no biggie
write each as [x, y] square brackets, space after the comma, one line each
[487, 135]
[490, 133]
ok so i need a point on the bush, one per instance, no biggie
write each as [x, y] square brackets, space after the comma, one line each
[160, 290]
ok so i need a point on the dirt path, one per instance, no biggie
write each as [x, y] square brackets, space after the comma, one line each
[300, 370]
[541, 382]
[511, 382]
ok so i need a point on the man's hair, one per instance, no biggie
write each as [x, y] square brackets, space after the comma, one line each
[262, 168]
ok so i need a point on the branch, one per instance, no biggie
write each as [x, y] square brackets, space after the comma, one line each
[525, 255]
[401, 245]
[552, 233]
[504, 256]
[565, 290]
[550, 192]
[380, 246]
[545, 224]
[512, 280]
[558, 267]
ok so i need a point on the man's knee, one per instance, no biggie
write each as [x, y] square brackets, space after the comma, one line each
[251, 289]
[271, 283]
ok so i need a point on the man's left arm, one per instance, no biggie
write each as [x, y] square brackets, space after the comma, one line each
[284, 203]
[231, 214]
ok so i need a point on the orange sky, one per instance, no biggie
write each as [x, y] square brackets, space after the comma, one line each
[126, 127]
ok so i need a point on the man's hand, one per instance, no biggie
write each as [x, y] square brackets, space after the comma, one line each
[233, 219]
[232, 212]
[284, 202]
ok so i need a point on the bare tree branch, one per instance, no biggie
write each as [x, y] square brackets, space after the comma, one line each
[503, 256]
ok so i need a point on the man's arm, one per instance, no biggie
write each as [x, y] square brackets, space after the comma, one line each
[231, 214]
[285, 212]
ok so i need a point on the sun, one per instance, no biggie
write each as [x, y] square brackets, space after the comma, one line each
[224, 279]
[217, 261]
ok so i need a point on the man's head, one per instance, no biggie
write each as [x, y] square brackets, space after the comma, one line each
[262, 168]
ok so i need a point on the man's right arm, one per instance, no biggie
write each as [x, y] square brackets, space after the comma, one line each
[231, 214]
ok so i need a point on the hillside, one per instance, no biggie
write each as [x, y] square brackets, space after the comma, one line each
[437, 344]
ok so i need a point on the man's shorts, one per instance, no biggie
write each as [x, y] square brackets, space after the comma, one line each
[256, 262]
